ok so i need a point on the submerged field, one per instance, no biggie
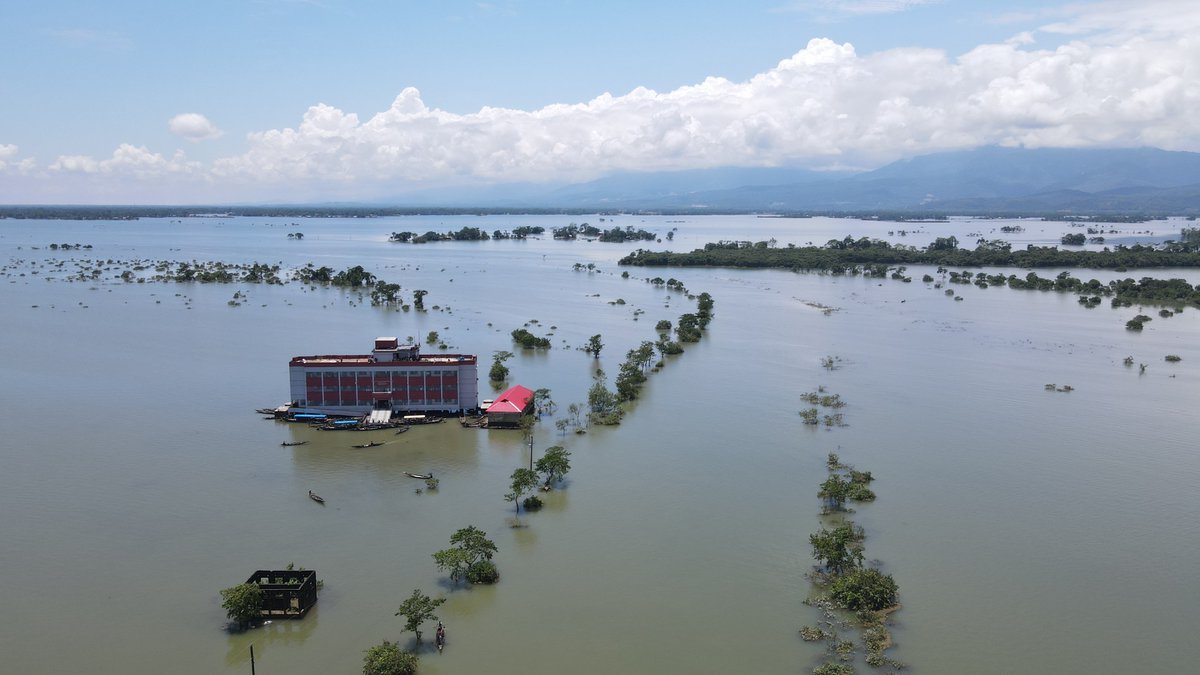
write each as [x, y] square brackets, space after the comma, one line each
[1029, 530]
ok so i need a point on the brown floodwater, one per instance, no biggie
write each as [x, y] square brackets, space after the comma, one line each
[1029, 530]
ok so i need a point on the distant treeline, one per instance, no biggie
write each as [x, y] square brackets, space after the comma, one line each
[839, 255]
[133, 212]
[44, 212]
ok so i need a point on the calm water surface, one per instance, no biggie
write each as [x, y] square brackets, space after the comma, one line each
[1029, 531]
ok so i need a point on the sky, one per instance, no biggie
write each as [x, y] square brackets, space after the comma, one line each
[302, 101]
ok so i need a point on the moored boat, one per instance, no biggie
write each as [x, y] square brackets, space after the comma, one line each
[420, 419]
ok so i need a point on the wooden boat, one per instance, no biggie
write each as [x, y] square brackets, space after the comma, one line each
[420, 419]
[422, 476]
[367, 445]
[401, 430]
[315, 497]
[288, 444]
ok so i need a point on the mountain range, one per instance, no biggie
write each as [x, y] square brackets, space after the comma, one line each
[988, 180]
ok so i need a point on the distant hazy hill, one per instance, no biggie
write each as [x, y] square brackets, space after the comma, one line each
[984, 180]
[624, 190]
[993, 180]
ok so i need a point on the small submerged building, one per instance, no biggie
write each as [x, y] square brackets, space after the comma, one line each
[509, 407]
[393, 377]
[287, 594]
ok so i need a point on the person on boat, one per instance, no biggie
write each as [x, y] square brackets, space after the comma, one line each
[440, 639]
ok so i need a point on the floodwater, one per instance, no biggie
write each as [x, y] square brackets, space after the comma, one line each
[1029, 530]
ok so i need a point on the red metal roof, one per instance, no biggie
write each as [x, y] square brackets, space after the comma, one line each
[514, 400]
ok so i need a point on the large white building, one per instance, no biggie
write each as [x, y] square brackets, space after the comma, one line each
[392, 377]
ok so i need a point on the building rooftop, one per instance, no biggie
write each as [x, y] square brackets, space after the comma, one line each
[514, 400]
[369, 359]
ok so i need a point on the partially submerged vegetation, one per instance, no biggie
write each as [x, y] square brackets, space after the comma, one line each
[850, 585]
[469, 557]
[604, 405]
[839, 256]
[528, 340]
[465, 234]
[613, 235]
[142, 271]
[875, 258]
[833, 402]
[386, 658]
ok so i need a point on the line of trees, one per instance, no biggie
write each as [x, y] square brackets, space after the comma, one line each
[604, 405]
[850, 584]
[840, 255]
[469, 558]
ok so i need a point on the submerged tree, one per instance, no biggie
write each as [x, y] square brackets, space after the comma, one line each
[387, 658]
[838, 550]
[593, 346]
[499, 371]
[543, 402]
[523, 480]
[385, 293]
[604, 407]
[242, 603]
[554, 464]
[835, 490]
[354, 277]
[417, 609]
[470, 549]
[865, 589]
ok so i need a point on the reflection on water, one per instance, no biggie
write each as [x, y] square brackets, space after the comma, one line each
[276, 634]
[138, 481]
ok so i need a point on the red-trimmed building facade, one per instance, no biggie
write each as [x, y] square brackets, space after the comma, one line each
[392, 377]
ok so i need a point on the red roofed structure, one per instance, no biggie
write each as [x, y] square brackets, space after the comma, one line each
[508, 408]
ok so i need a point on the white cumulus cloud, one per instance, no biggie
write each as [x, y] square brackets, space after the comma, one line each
[9, 163]
[128, 161]
[194, 127]
[826, 105]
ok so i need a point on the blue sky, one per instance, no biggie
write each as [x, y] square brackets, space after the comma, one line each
[303, 100]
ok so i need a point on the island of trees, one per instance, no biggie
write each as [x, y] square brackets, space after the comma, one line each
[880, 259]
[465, 234]
[843, 255]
